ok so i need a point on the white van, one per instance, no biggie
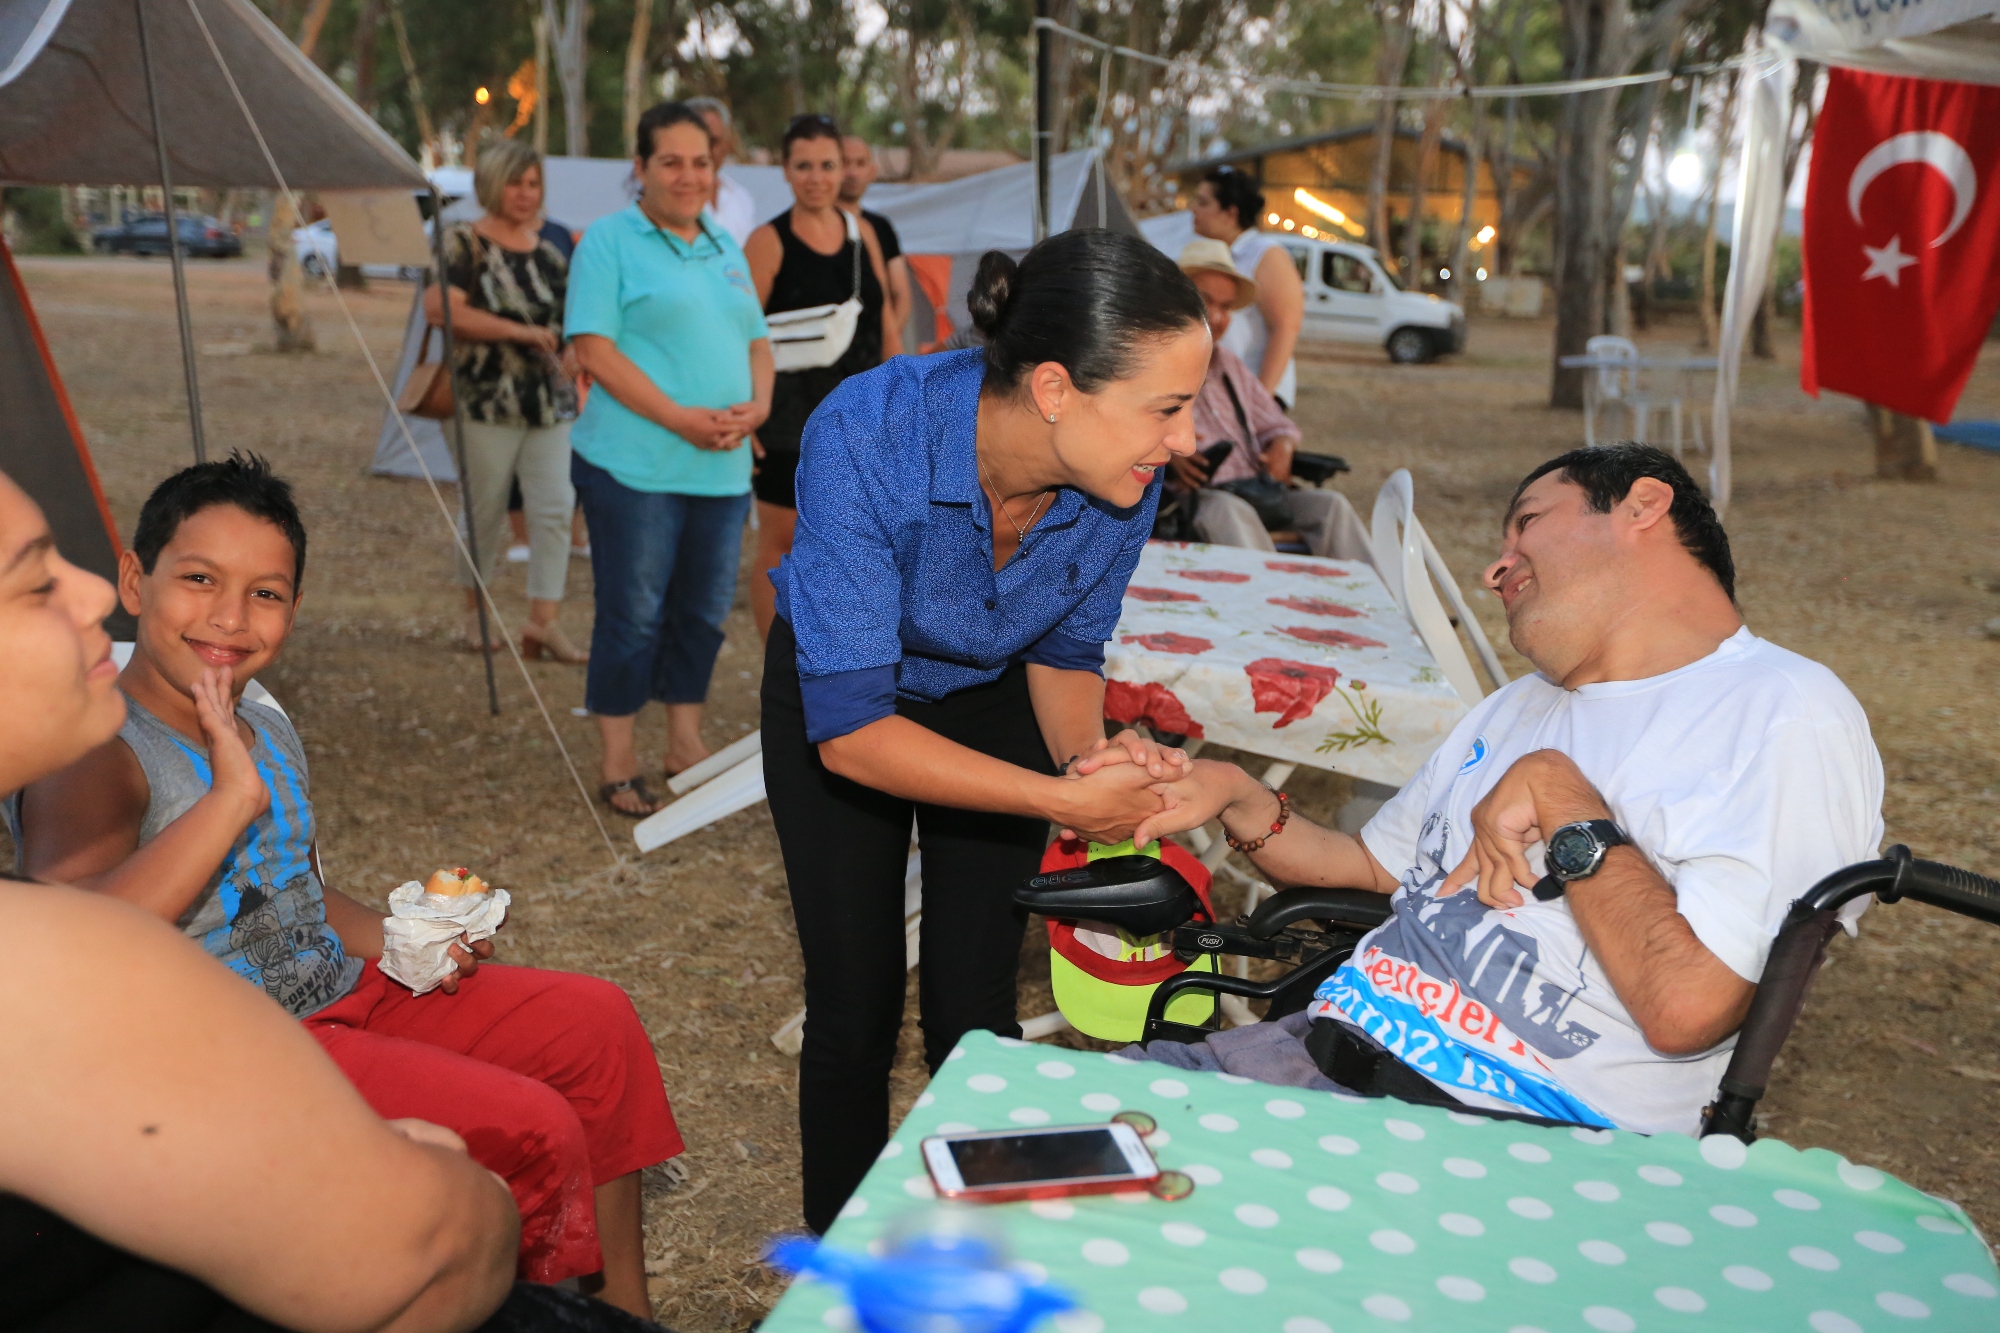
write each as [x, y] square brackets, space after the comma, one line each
[1351, 298]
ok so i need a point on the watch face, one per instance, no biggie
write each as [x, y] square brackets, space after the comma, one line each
[1572, 850]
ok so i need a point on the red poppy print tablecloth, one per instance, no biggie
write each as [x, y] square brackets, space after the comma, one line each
[1291, 657]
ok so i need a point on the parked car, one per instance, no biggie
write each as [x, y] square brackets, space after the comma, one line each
[146, 234]
[1351, 298]
[318, 250]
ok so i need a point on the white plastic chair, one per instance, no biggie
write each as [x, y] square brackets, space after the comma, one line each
[1409, 564]
[1617, 384]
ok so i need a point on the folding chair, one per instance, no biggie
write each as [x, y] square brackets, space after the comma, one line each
[1615, 384]
[1408, 563]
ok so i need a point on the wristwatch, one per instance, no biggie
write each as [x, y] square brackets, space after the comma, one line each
[1575, 851]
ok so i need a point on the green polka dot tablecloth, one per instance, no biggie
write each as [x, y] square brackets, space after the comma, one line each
[1319, 1214]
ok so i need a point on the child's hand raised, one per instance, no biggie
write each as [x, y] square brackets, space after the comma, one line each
[233, 775]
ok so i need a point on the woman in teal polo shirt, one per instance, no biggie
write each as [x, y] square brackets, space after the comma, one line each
[666, 320]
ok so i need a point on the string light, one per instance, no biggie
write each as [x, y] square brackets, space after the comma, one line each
[482, 96]
[1289, 224]
[1271, 218]
[1444, 274]
[1480, 274]
[1486, 234]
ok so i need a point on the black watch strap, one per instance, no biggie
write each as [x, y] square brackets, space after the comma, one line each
[1551, 885]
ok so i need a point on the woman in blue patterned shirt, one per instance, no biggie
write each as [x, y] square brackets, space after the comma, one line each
[966, 526]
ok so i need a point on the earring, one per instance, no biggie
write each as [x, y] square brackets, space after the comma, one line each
[1052, 418]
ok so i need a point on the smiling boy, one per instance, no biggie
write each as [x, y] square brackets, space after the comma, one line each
[200, 813]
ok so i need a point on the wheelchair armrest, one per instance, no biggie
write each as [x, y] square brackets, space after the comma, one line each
[1141, 894]
[1312, 469]
[1358, 908]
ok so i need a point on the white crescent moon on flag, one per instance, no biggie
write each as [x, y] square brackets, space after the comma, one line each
[1938, 151]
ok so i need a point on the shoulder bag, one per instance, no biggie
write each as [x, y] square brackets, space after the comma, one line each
[818, 335]
[427, 392]
[1263, 492]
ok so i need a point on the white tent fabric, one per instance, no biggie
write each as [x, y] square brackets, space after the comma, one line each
[74, 111]
[962, 219]
[1955, 40]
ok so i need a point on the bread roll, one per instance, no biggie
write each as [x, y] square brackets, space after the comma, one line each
[458, 883]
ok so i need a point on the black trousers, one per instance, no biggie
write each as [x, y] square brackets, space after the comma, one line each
[846, 847]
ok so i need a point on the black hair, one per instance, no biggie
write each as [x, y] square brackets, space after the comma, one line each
[658, 117]
[812, 125]
[1081, 298]
[1605, 475]
[243, 480]
[1237, 190]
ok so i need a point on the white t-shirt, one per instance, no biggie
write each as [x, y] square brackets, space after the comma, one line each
[1744, 778]
[735, 208]
[1247, 330]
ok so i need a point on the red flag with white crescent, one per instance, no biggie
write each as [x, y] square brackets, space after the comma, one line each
[1902, 240]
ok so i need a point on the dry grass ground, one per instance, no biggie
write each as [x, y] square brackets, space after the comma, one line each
[1896, 1062]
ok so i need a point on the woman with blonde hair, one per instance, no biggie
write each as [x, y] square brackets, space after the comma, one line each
[507, 285]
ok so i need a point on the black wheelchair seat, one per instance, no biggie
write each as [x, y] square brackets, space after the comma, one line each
[1138, 894]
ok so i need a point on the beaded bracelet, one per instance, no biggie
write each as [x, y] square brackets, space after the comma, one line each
[1284, 814]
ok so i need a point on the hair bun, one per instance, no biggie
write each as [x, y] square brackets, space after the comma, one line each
[992, 289]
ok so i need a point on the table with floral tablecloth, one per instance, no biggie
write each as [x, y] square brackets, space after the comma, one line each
[1317, 1213]
[1302, 660]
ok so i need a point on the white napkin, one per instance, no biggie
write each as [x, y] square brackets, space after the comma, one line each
[422, 927]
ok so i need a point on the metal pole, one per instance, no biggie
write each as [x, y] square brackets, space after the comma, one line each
[458, 450]
[1044, 117]
[173, 242]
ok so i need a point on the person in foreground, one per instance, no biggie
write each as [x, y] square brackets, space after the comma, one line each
[966, 526]
[1680, 780]
[1236, 409]
[199, 812]
[139, 1141]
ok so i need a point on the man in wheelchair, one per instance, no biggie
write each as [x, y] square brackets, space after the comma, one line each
[1586, 877]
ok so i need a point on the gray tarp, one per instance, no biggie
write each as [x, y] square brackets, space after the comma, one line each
[73, 107]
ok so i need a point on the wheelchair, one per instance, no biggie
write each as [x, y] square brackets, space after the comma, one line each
[1314, 930]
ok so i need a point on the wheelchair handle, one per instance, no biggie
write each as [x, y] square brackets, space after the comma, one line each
[1799, 950]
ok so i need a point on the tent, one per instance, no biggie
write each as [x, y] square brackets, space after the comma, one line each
[1956, 40]
[75, 110]
[944, 229]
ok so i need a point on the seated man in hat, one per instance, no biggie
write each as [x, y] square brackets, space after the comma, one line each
[200, 812]
[1235, 409]
[1587, 875]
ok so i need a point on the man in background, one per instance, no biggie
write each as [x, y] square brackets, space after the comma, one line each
[857, 160]
[732, 205]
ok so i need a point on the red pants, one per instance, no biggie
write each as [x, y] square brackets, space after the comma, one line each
[547, 1076]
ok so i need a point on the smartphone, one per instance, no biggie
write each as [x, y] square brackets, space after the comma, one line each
[1212, 456]
[1009, 1164]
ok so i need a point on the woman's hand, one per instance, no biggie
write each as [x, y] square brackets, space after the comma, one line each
[1164, 763]
[540, 337]
[1105, 806]
[233, 773]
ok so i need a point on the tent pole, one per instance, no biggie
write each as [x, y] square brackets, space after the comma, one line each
[173, 242]
[458, 452]
[1044, 122]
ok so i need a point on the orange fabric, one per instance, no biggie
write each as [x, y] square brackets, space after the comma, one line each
[933, 274]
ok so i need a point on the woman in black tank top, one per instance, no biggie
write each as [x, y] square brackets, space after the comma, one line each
[801, 259]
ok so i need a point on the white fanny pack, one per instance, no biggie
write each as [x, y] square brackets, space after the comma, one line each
[818, 335]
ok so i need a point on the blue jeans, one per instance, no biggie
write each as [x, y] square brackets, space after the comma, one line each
[665, 569]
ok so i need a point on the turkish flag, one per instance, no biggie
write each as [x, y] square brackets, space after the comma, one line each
[1902, 239]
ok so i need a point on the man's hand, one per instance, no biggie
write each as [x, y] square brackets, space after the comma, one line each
[706, 428]
[1209, 791]
[233, 776]
[1165, 763]
[468, 955]
[1107, 806]
[1188, 470]
[1540, 793]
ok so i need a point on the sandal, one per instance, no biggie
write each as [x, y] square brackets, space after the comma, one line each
[609, 792]
[538, 641]
[471, 642]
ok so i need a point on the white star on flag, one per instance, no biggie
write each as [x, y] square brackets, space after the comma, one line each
[1887, 262]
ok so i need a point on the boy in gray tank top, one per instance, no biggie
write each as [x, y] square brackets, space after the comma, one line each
[201, 813]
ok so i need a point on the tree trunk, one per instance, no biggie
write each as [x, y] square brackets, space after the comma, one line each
[542, 86]
[1393, 48]
[1420, 179]
[1583, 236]
[566, 33]
[1711, 319]
[412, 81]
[1468, 194]
[365, 31]
[635, 68]
[292, 329]
[314, 21]
[1905, 449]
[1062, 61]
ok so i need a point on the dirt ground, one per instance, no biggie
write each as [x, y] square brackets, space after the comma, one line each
[1896, 1062]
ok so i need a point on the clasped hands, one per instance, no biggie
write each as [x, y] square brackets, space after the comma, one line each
[1114, 786]
[718, 429]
